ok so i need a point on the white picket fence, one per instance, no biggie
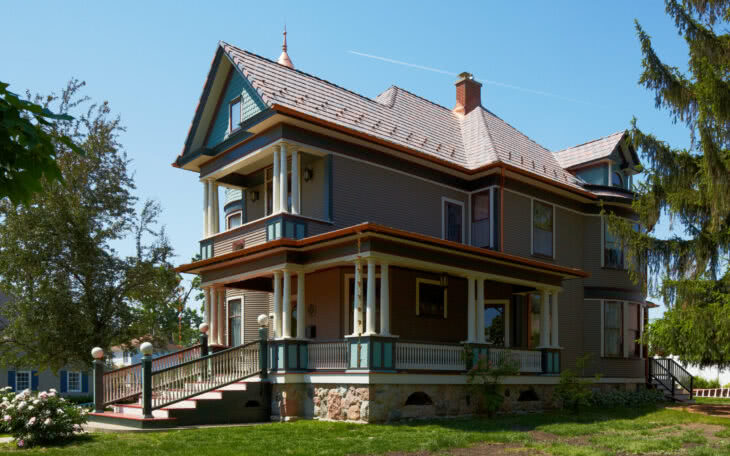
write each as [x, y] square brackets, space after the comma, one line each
[712, 392]
[328, 355]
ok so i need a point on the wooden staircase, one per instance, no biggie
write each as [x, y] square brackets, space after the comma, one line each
[672, 379]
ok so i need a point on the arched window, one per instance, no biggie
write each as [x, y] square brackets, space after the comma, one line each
[617, 180]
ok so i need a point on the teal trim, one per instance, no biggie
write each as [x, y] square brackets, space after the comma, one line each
[353, 354]
[364, 346]
[280, 357]
[377, 354]
[292, 357]
[597, 175]
[388, 355]
[550, 362]
[303, 356]
[251, 104]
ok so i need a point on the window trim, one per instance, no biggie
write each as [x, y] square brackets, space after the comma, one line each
[419, 281]
[30, 380]
[626, 353]
[228, 319]
[234, 213]
[532, 228]
[445, 200]
[231, 127]
[68, 382]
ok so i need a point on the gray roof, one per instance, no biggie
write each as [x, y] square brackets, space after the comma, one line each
[397, 116]
[591, 151]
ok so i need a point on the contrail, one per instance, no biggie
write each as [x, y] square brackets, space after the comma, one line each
[485, 81]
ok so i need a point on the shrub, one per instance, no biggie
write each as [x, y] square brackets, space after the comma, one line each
[486, 377]
[85, 399]
[40, 419]
[573, 390]
[641, 398]
[703, 383]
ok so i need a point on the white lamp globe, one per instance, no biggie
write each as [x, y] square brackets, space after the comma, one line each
[263, 319]
[97, 353]
[203, 327]
[146, 348]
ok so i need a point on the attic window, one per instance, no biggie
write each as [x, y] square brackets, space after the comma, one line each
[234, 114]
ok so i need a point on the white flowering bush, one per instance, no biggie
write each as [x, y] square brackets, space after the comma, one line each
[40, 419]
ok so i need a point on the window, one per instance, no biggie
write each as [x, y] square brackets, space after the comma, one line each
[234, 111]
[22, 380]
[74, 382]
[494, 324]
[617, 180]
[634, 330]
[233, 220]
[234, 322]
[542, 229]
[613, 251]
[612, 328]
[453, 220]
[431, 299]
[480, 226]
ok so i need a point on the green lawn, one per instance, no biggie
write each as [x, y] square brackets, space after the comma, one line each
[620, 431]
[713, 400]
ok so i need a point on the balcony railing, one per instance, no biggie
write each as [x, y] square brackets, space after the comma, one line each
[528, 361]
[327, 355]
[428, 356]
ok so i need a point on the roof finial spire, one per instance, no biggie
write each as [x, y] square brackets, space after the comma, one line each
[284, 57]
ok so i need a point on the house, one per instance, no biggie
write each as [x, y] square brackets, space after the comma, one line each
[386, 238]
[69, 381]
[128, 354]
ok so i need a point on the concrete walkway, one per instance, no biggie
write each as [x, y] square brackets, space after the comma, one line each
[104, 427]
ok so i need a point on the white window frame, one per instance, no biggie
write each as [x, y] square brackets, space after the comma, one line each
[30, 380]
[228, 317]
[419, 281]
[68, 382]
[624, 325]
[238, 212]
[507, 317]
[231, 127]
[532, 228]
[445, 200]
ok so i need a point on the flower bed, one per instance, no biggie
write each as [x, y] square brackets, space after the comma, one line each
[39, 419]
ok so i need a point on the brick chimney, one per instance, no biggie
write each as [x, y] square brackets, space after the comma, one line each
[468, 94]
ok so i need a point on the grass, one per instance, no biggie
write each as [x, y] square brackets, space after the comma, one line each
[591, 433]
[713, 400]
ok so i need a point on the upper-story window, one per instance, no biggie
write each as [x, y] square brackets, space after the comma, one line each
[480, 224]
[233, 220]
[617, 180]
[234, 114]
[453, 220]
[613, 249]
[543, 229]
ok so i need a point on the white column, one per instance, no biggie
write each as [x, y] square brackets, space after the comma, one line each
[211, 210]
[206, 316]
[384, 301]
[213, 326]
[357, 306]
[286, 306]
[206, 229]
[554, 324]
[507, 319]
[277, 305]
[471, 307]
[480, 311]
[370, 315]
[283, 181]
[544, 325]
[301, 307]
[295, 182]
[222, 317]
[216, 210]
[275, 182]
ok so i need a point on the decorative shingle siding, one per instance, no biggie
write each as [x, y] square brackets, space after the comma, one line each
[251, 105]
[232, 194]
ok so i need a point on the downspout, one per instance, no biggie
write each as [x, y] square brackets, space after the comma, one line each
[501, 211]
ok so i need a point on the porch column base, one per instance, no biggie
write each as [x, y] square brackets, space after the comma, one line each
[473, 352]
[371, 352]
[289, 355]
[550, 360]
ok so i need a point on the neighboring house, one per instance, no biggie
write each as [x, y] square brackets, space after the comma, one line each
[384, 236]
[126, 355]
[69, 380]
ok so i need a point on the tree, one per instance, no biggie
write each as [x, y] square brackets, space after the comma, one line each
[27, 147]
[71, 290]
[689, 185]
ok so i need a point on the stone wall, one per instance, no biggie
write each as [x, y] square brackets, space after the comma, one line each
[386, 403]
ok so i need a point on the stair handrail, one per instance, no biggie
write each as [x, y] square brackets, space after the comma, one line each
[678, 374]
[205, 374]
[126, 382]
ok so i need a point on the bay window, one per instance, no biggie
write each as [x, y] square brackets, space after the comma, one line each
[543, 226]
[613, 328]
[453, 220]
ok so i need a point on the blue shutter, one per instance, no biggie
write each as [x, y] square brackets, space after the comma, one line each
[64, 381]
[85, 382]
[11, 379]
[34, 381]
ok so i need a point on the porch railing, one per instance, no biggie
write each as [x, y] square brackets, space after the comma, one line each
[712, 392]
[528, 361]
[327, 355]
[198, 376]
[427, 356]
[126, 382]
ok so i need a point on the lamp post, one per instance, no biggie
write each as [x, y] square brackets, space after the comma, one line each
[98, 354]
[263, 321]
[203, 339]
[146, 349]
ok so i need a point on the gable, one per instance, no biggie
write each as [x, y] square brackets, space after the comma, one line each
[251, 104]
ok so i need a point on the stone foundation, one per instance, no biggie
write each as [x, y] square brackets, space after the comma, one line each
[386, 403]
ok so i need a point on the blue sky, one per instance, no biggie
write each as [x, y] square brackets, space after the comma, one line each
[150, 60]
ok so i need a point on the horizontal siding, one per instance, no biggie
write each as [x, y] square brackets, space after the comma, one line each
[366, 193]
[600, 277]
[516, 224]
[251, 105]
[251, 236]
[255, 303]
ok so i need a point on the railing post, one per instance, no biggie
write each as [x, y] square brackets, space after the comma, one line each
[691, 387]
[203, 339]
[98, 354]
[146, 349]
[263, 346]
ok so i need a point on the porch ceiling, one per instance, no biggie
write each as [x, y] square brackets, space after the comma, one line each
[394, 246]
